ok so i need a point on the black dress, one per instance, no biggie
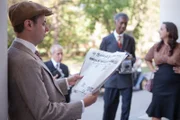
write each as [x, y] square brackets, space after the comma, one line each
[166, 94]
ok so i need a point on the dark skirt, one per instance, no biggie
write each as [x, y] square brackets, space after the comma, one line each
[166, 94]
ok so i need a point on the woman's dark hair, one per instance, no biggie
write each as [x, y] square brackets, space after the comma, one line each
[19, 28]
[173, 36]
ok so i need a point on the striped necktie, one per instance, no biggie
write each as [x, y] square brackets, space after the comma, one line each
[119, 42]
[60, 70]
[37, 53]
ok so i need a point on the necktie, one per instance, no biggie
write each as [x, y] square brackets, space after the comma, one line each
[37, 53]
[60, 70]
[119, 41]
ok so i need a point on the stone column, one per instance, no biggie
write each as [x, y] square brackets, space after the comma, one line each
[3, 61]
[169, 11]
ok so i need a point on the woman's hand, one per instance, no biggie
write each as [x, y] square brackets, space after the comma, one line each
[176, 69]
[151, 67]
[155, 69]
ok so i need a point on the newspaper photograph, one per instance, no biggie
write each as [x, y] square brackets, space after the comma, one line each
[97, 67]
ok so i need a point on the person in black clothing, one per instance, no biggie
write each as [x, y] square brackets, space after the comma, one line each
[58, 69]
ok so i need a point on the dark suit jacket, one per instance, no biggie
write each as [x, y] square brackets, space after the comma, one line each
[109, 44]
[54, 71]
[33, 94]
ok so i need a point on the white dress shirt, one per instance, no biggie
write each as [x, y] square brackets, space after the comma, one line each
[54, 62]
[117, 36]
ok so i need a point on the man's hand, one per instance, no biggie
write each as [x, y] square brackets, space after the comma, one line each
[129, 57]
[73, 79]
[55, 77]
[176, 69]
[90, 99]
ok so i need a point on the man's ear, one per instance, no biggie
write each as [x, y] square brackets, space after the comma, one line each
[28, 24]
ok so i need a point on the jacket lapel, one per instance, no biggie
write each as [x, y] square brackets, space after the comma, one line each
[25, 49]
[52, 66]
[125, 42]
[114, 42]
[45, 67]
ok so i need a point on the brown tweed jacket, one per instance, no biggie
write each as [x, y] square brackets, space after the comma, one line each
[33, 94]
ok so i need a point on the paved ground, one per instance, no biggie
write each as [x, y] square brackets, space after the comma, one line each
[140, 102]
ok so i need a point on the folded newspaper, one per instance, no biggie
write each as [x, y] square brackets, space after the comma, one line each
[97, 67]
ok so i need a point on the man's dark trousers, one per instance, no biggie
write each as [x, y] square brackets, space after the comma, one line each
[111, 101]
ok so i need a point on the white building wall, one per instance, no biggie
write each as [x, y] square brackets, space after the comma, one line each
[170, 11]
[3, 60]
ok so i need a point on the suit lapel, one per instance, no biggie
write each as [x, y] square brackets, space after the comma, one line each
[52, 66]
[25, 49]
[125, 42]
[114, 42]
[44, 66]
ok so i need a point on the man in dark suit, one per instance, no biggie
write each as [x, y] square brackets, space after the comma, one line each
[58, 69]
[118, 83]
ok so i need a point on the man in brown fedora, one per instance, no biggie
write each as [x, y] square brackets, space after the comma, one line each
[33, 94]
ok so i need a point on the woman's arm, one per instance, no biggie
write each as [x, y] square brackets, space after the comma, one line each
[151, 66]
[176, 69]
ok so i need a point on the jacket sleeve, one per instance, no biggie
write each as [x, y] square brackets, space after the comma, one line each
[133, 50]
[103, 45]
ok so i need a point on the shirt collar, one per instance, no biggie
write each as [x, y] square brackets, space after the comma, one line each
[27, 44]
[54, 62]
[116, 34]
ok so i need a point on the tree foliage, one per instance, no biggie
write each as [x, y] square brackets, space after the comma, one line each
[79, 24]
[103, 11]
[145, 17]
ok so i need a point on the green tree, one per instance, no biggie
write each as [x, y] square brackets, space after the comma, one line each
[145, 19]
[103, 10]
